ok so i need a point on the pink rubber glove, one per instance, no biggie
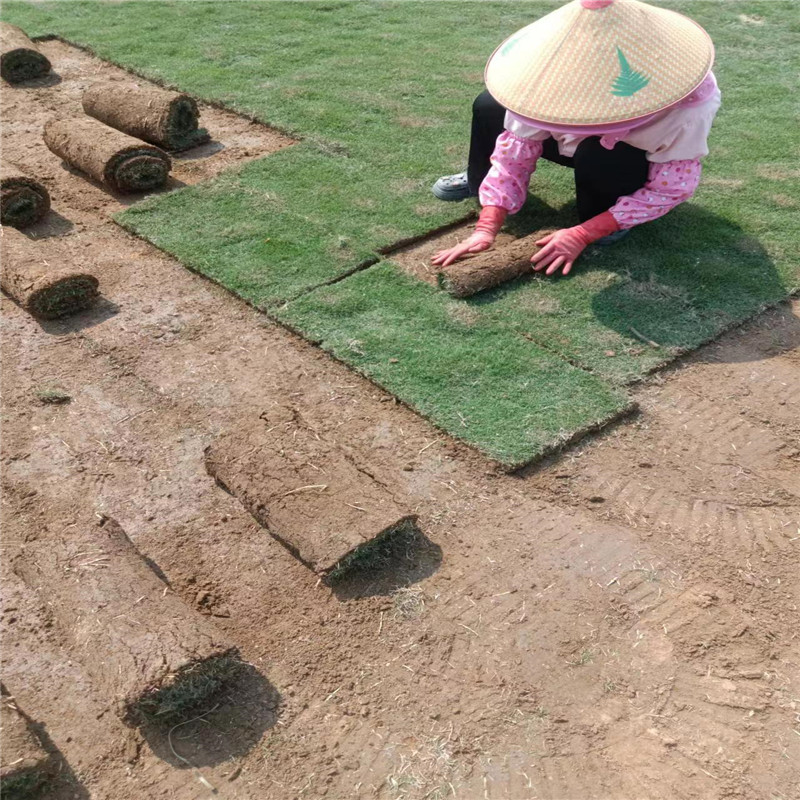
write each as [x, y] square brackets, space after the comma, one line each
[489, 223]
[560, 249]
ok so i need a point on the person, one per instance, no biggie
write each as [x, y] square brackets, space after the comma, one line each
[620, 91]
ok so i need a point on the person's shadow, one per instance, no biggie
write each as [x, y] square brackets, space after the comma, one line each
[674, 284]
[686, 279]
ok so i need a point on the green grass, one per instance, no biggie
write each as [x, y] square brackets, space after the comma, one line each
[380, 95]
[484, 383]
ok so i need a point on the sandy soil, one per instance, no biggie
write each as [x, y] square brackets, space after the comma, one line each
[619, 622]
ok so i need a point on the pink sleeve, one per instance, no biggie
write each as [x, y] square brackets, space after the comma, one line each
[513, 162]
[668, 185]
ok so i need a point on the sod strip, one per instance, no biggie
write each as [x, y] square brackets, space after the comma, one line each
[23, 200]
[24, 765]
[323, 513]
[20, 59]
[483, 384]
[147, 652]
[123, 163]
[483, 271]
[30, 274]
[159, 116]
[277, 227]
[625, 310]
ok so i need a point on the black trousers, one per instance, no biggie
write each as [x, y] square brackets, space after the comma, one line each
[601, 176]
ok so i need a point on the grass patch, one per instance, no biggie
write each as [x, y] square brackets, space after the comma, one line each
[53, 396]
[383, 109]
[484, 384]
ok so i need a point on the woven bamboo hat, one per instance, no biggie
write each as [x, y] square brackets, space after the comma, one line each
[596, 62]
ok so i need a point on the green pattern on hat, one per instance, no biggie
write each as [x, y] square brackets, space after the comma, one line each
[629, 81]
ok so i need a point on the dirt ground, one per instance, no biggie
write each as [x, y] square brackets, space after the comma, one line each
[618, 622]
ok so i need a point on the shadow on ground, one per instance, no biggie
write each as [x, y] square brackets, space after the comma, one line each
[228, 728]
[397, 562]
[62, 783]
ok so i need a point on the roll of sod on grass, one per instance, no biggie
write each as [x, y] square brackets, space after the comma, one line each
[20, 59]
[159, 116]
[23, 200]
[24, 764]
[121, 162]
[147, 652]
[308, 492]
[31, 274]
[487, 270]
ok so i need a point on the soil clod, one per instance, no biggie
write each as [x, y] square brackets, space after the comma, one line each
[163, 118]
[123, 163]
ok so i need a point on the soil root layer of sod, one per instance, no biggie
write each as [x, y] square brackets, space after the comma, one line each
[20, 59]
[23, 200]
[307, 491]
[123, 163]
[160, 659]
[24, 765]
[29, 276]
[487, 270]
[159, 116]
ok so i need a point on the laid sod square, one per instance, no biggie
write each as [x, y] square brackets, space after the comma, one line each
[486, 385]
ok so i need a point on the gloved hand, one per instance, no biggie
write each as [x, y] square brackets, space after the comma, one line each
[489, 223]
[560, 249]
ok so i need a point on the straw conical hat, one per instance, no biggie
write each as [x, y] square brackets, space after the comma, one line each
[594, 62]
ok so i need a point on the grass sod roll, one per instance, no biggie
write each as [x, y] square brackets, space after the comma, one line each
[24, 764]
[491, 268]
[23, 200]
[160, 659]
[20, 59]
[159, 116]
[275, 473]
[123, 163]
[30, 275]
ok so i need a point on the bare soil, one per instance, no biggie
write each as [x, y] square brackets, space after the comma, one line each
[619, 622]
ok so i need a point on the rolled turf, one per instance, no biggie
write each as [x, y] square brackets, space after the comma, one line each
[31, 276]
[159, 116]
[24, 764]
[123, 163]
[487, 270]
[159, 657]
[20, 60]
[23, 200]
[275, 473]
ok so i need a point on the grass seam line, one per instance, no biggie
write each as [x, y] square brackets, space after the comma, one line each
[409, 240]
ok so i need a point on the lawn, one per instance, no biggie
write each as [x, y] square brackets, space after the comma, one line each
[379, 95]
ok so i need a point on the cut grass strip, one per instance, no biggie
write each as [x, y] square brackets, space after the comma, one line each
[283, 225]
[676, 283]
[483, 384]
